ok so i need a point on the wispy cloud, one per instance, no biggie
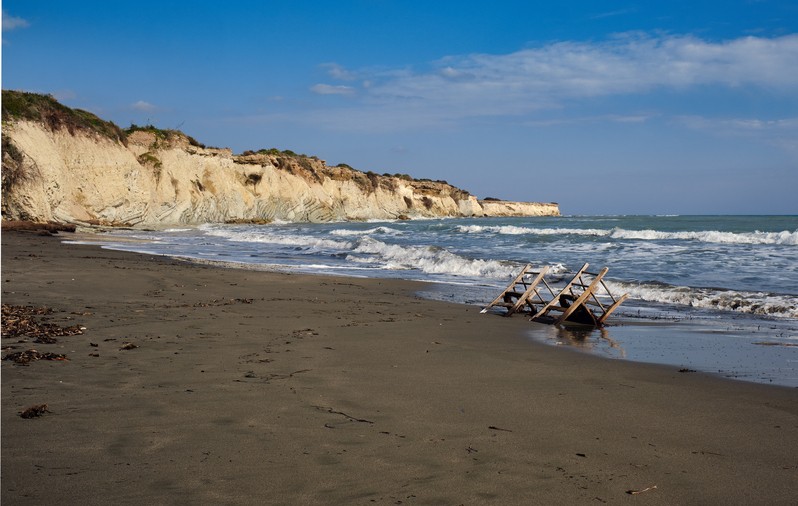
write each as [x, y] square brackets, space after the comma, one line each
[328, 89]
[143, 106]
[338, 72]
[782, 133]
[629, 64]
[612, 14]
[558, 74]
[12, 22]
[741, 126]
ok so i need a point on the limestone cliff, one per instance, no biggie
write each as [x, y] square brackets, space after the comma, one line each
[57, 169]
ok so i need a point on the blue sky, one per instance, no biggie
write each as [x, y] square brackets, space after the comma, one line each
[626, 107]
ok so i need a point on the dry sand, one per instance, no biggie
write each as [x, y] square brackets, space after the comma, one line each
[264, 388]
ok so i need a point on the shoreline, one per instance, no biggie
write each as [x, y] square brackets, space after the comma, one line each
[255, 386]
[752, 347]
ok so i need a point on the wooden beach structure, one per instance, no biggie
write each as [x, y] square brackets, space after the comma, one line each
[585, 299]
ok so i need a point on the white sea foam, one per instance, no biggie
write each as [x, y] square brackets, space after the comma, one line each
[377, 230]
[758, 303]
[299, 241]
[428, 259]
[784, 237]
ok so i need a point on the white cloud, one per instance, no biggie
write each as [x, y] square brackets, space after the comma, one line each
[338, 72]
[561, 76]
[740, 125]
[536, 78]
[552, 75]
[328, 89]
[782, 133]
[13, 22]
[143, 106]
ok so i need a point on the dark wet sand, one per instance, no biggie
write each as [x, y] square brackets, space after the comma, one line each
[263, 388]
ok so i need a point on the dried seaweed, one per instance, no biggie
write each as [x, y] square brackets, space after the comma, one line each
[34, 411]
[20, 321]
[28, 356]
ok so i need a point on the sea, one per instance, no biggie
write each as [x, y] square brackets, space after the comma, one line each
[716, 294]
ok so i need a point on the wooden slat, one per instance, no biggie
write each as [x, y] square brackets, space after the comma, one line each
[510, 287]
[522, 299]
[612, 308]
[581, 289]
[548, 307]
[581, 299]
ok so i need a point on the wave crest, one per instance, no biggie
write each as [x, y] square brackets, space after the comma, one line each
[757, 303]
[785, 237]
[429, 259]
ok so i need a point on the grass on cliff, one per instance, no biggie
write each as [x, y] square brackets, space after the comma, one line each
[47, 110]
[162, 134]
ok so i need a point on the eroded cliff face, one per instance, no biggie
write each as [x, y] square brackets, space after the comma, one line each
[82, 177]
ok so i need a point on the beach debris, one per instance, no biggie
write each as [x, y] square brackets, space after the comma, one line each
[349, 417]
[34, 411]
[685, 369]
[585, 299]
[128, 346]
[636, 492]
[19, 321]
[493, 427]
[28, 356]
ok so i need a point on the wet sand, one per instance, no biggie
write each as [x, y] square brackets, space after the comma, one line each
[264, 388]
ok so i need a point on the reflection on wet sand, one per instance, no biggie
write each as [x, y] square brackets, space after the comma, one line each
[595, 339]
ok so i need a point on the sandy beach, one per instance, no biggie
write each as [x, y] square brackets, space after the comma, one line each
[194, 384]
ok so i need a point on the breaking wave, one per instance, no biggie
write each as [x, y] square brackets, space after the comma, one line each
[295, 240]
[371, 231]
[784, 237]
[756, 303]
[428, 259]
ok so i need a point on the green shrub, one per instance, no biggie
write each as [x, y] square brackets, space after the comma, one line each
[150, 159]
[47, 110]
[14, 171]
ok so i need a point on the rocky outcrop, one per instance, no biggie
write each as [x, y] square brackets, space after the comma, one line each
[152, 177]
[507, 208]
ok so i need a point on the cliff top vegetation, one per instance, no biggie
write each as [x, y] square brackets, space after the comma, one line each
[47, 110]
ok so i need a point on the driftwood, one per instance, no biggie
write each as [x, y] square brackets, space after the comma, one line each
[636, 492]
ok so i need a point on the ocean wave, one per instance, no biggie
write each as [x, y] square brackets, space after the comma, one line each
[785, 237]
[377, 230]
[429, 259]
[515, 230]
[298, 241]
[757, 303]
